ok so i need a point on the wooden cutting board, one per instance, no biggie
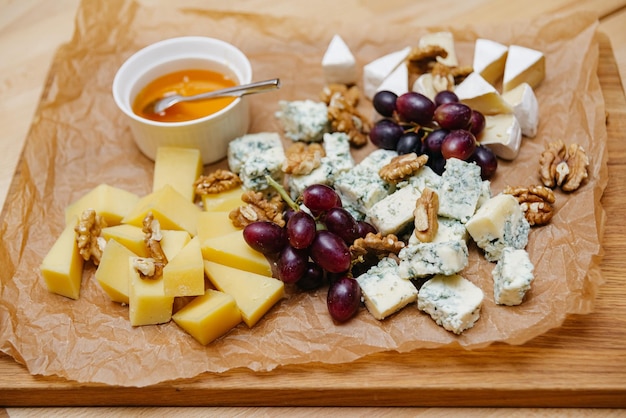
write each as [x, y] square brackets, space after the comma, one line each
[581, 364]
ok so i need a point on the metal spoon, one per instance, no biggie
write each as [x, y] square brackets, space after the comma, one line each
[159, 105]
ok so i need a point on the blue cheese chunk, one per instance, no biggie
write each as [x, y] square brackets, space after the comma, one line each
[425, 177]
[453, 302]
[460, 190]
[394, 212]
[447, 230]
[512, 277]
[384, 292]
[499, 223]
[361, 187]
[303, 120]
[337, 160]
[424, 259]
[255, 169]
[244, 147]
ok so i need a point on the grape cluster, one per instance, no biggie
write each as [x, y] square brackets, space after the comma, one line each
[313, 248]
[443, 128]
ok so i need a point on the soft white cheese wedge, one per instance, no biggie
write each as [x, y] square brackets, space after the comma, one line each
[512, 277]
[376, 71]
[525, 108]
[397, 81]
[424, 85]
[478, 94]
[338, 63]
[384, 292]
[523, 65]
[502, 134]
[453, 302]
[489, 59]
[499, 223]
[444, 40]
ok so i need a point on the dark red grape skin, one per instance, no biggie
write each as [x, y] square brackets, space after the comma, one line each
[344, 299]
[292, 264]
[409, 142]
[341, 222]
[301, 229]
[365, 228]
[319, 198]
[330, 252]
[458, 144]
[445, 96]
[265, 237]
[312, 278]
[432, 143]
[477, 123]
[385, 134]
[415, 107]
[384, 102]
[486, 159]
[453, 115]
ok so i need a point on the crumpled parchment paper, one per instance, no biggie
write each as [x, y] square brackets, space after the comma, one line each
[79, 139]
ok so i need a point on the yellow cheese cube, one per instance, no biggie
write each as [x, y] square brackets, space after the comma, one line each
[110, 202]
[178, 167]
[233, 251]
[173, 241]
[130, 236]
[214, 224]
[62, 267]
[168, 206]
[147, 303]
[255, 294]
[184, 274]
[209, 316]
[225, 201]
[112, 272]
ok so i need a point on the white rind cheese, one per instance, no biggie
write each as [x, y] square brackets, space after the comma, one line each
[378, 70]
[499, 223]
[444, 40]
[525, 108]
[424, 259]
[396, 82]
[338, 63]
[460, 189]
[512, 277]
[478, 94]
[489, 59]
[384, 292]
[453, 302]
[303, 120]
[240, 149]
[424, 85]
[523, 65]
[394, 212]
[503, 135]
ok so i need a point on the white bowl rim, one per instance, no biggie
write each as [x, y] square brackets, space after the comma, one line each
[165, 42]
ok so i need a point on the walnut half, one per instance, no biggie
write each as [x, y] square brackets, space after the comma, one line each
[425, 214]
[375, 245]
[537, 203]
[90, 243]
[562, 166]
[402, 166]
[258, 208]
[217, 182]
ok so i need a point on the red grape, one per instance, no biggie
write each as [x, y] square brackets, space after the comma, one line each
[301, 229]
[409, 142]
[486, 159]
[385, 134]
[415, 107]
[384, 102]
[265, 237]
[453, 115]
[319, 198]
[432, 143]
[341, 223]
[458, 144]
[312, 278]
[330, 252]
[445, 96]
[292, 264]
[365, 228]
[477, 123]
[344, 298]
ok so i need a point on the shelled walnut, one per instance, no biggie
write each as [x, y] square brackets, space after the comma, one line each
[343, 114]
[302, 158]
[88, 229]
[537, 202]
[217, 182]
[156, 260]
[562, 166]
[425, 215]
[375, 245]
[258, 208]
[402, 166]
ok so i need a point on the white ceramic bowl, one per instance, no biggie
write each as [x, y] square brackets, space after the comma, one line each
[209, 134]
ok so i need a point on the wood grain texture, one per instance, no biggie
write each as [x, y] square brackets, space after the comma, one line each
[583, 363]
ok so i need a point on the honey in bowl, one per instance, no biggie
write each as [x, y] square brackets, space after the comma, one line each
[185, 83]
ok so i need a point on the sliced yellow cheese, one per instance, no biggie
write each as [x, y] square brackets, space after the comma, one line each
[214, 224]
[130, 236]
[523, 65]
[147, 302]
[489, 59]
[168, 206]
[478, 94]
[209, 316]
[178, 167]
[232, 250]
[110, 202]
[225, 201]
[62, 267]
[184, 274]
[255, 294]
[112, 272]
[173, 241]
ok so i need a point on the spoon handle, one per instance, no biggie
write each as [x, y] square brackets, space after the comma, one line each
[252, 88]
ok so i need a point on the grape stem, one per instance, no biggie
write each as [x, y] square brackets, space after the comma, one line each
[282, 192]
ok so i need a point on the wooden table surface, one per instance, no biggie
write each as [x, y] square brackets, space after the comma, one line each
[31, 31]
